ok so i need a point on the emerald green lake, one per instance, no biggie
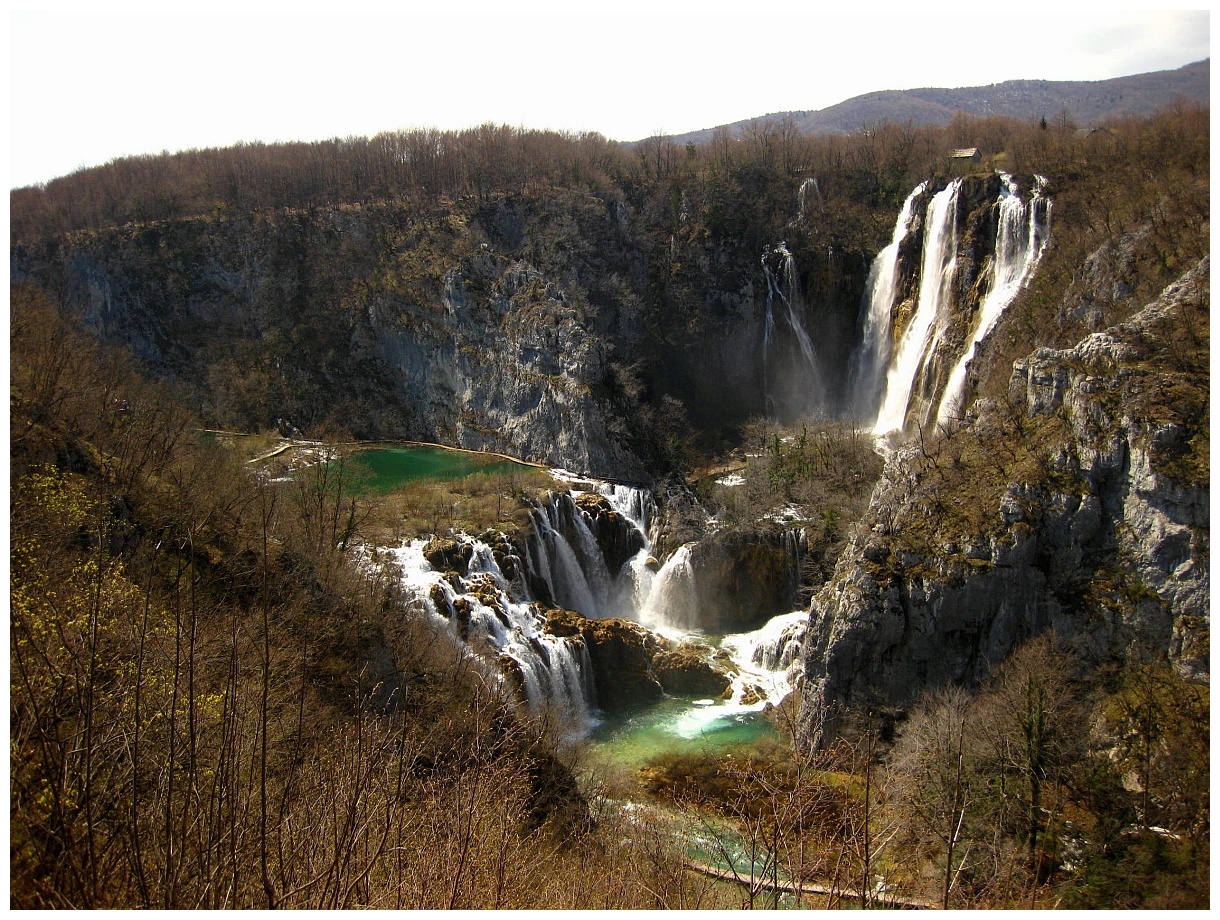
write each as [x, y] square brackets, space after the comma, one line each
[391, 468]
[676, 726]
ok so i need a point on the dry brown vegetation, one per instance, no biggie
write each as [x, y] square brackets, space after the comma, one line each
[815, 472]
[211, 705]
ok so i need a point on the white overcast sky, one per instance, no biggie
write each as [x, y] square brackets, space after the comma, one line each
[88, 86]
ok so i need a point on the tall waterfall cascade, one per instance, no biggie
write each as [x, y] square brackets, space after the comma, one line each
[1020, 241]
[923, 333]
[905, 381]
[872, 357]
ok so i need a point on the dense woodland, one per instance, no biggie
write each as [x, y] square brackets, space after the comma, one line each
[215, 703]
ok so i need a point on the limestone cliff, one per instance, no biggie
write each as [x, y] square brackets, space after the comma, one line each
[1082, 506]
[558, 327]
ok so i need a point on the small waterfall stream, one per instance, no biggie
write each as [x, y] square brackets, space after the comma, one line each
[803, 196]
[792, 376]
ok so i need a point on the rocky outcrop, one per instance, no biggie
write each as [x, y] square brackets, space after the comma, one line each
[620, 652]
[686, 671]
[1105, 538]
[513, 369]
[446, 554]
[633, 666]
[744, 577]
[390, 323]
[1137, 403]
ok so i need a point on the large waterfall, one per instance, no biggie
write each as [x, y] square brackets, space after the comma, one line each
[870, 360]
[1020, 239]
[564, 551]
[925, 376]
[921, 336]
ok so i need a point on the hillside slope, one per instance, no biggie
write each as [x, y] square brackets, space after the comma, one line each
[1086, 103]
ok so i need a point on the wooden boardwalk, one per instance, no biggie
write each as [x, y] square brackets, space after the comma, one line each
[846, 896]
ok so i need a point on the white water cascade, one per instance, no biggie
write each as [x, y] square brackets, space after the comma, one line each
[873, 356]
[661, 597]
[635, 581]
[802, 196]
[931, 312]
[769, 653]
[672, 603]
[1020, 240]
[564, 551]
[667, 602]
[494, 616]
[488, 614]
[792, 379]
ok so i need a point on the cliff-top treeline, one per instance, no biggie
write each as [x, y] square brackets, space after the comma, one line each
[308, 281]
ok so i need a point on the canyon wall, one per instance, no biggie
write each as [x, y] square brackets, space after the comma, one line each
[1081, 505]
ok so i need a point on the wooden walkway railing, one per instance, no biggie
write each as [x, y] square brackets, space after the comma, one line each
[846, 895]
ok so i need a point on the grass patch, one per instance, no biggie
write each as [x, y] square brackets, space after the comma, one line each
[476, 503]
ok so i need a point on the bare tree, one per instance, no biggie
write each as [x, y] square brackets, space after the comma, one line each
[928, 775]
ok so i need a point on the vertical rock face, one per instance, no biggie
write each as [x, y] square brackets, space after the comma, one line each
[512, 369]
[743, 578]
[387, 322]
[1105, 538]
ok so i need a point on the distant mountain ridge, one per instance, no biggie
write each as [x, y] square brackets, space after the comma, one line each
[1087, 102]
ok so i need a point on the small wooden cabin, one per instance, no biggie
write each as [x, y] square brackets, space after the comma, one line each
[964, 160]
